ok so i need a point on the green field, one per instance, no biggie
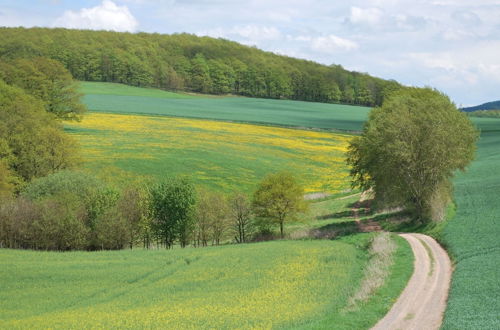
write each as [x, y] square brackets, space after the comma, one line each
[275, 284]
[117, 98]
[141, 138]
[103, 88]
[473, 238]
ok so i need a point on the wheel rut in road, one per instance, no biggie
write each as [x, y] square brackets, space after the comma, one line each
[423, 301]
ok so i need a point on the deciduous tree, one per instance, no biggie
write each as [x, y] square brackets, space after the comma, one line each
[410, 148]
[279, 198]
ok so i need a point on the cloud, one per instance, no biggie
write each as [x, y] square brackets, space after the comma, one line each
[106, 16]
[332, 43]
[248, 34]
[369, 16]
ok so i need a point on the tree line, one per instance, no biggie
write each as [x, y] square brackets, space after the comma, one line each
[186, 62]
[73, 210]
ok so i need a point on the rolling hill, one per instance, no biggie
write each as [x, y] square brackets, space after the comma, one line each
[495, 105]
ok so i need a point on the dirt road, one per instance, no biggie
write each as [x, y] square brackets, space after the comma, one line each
[423, 301]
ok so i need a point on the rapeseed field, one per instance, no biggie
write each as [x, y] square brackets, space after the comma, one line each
[261, 286]
[221, 155]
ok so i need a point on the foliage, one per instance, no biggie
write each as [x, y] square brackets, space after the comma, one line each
[212, 220]
[94, 196]
[410, 149]
[265, 285]
[48, 81]
[485, 113]
[485, 106]
[117, 98]
[191, 63]
[279, 198]
[472, 237]
[32, 143]
[172, 205]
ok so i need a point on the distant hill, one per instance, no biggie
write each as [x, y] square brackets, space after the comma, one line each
[185, 62]
[495, 105]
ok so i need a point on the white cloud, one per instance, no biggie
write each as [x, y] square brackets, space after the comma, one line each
[332, 43]
[247, 34]
[106, 16]
[365, 15]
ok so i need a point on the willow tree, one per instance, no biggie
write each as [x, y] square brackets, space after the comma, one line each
[410, 149]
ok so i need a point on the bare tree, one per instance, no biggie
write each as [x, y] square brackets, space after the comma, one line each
[240, 210]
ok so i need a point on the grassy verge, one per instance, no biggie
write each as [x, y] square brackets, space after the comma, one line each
[367, 312]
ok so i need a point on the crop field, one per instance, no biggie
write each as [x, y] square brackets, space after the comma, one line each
[117, 98]
[281, 284]
[218, 287]
[220, 155]
[473, 238]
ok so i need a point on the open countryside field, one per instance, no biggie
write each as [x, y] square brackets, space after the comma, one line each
[472, 236]
[221, 155]
[117, 98]
[296, 283]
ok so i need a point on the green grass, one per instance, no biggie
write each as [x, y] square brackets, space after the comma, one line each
[246, 286]
[371, 311]
[103, 88]
[298, 284]
[473, 238]
[116, 98]
[219, 155]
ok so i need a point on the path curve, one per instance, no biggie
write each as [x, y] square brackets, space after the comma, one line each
[423, 301]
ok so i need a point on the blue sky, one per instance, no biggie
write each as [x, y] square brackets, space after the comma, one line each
[453, 45]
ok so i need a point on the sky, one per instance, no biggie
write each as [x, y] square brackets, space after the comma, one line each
[451, 45]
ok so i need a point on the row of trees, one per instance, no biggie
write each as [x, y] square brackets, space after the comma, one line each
[71, 210]
[190, 63]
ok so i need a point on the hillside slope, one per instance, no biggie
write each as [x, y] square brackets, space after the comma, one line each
[495, 105]
[118, 98]
[190, 63]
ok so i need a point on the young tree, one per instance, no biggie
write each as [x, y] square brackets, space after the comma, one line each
[219, 223]
[172, 207]
[211, 217]
[410, 148]
[240, 209]
[279, 198]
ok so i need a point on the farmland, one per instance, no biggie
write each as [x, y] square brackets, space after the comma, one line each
[222, 155]
[296, 283]
[472, 237]
[117, 98]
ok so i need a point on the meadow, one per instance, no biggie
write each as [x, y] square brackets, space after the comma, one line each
[472, 237]
[220, 155]
[280, 284]
[117, 98]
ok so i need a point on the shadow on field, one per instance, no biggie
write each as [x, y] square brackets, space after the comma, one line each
[337, 215]
[335, 230]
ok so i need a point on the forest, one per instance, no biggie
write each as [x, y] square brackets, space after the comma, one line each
[185, 62]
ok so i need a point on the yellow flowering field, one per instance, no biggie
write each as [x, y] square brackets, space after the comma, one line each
[249, 286]
[222, 155]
